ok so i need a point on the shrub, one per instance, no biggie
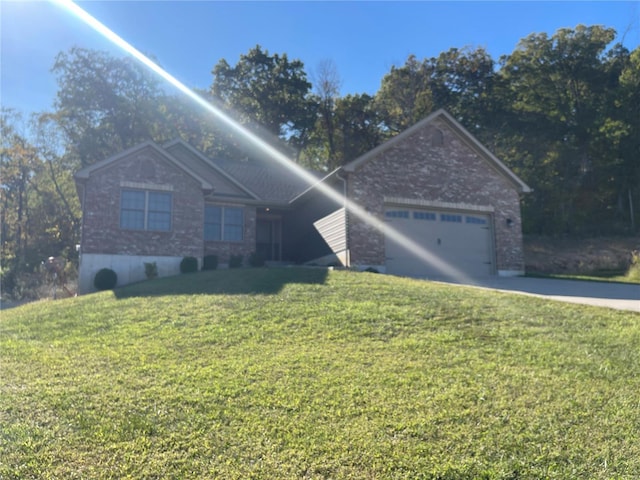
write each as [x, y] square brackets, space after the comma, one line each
[371, 270]
[210, 262]
[189, 265]
[150, 270]
[105, 279]
[235, 261]
[256, 260]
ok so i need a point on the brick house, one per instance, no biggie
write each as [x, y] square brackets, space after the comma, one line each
[434, 183]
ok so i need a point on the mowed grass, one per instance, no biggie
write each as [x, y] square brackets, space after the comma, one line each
[304, 373]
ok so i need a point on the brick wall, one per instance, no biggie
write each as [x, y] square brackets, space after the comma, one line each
[101, 231]
[436, 165]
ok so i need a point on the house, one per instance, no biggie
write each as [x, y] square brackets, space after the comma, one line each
[434, 183]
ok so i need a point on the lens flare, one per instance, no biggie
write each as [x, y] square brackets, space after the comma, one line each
[419, 251]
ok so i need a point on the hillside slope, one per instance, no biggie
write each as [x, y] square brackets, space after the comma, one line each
[568, 255]
[305, 373]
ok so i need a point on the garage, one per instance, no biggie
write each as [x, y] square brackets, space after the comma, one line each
[462, 239]
[440, 187]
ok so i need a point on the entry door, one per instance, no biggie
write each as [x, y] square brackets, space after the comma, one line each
[269, 238]
[463, 240]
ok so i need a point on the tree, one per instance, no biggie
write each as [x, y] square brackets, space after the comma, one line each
[356, 130]
[269, 90]
[555, 89]
[58, 171]
[194, 125]
[405, 96]
[345, 127]
[18, 165]
[327, 90]
[462, 82]
[458, 80]
[620, 134]
[358, 124]
[104, 104]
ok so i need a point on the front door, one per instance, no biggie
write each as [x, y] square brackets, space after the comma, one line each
[269, 238]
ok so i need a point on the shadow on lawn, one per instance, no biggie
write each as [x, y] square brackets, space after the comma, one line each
[260, 281]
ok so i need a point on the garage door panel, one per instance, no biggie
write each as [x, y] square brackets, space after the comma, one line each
[460, 239]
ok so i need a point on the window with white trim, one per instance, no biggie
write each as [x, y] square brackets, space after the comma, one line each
[223, 224]
[145, 210]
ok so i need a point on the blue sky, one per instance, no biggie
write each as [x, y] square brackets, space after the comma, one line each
[364, 39]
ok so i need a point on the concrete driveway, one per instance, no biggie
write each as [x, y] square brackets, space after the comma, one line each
[603, 294]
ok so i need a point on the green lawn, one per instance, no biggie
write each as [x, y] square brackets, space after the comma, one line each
[304, 373]
[612, 277]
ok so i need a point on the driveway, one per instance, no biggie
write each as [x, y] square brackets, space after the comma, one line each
[620, 296]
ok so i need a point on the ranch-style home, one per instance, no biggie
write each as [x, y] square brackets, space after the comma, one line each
[434, 184]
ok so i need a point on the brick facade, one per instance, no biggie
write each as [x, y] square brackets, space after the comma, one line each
[145, 170]
[434, 164]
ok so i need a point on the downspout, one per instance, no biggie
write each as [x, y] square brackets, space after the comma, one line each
[346, 219]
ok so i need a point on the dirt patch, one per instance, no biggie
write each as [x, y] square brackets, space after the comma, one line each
[566, 255]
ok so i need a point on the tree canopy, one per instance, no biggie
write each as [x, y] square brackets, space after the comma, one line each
[270, 90]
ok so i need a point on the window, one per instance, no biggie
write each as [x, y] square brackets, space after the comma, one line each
[213, 223]
[447, 217]
[145, 210]
[397, 214]
[159, 211]
[132, 207]
[476, 220]
[424, 216]
[223, 224]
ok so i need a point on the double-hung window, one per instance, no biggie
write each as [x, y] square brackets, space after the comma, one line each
[223, 224]
[145, 210]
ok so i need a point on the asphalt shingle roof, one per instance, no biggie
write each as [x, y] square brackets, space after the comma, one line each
[264, 180]
[272, 183]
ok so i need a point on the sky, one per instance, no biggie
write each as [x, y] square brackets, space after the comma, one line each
[363, 39]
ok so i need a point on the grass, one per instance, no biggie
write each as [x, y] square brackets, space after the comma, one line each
[303, 373]
[603, 276]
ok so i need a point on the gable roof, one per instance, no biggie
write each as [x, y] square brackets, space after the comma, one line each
[205, 166]
[459, 130]
[264, 181]
[243, 180]
[85, 173]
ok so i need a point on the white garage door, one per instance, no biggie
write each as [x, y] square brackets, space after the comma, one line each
[461, 239]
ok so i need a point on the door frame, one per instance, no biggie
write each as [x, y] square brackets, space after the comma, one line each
[274, 245]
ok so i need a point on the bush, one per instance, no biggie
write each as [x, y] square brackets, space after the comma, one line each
[105, 279]
[189, 265]
[256, 260]
[150, 270]
[210, 262]
[371, 270]
[235, 261]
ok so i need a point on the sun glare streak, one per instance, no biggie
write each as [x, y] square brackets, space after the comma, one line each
[352, 207]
